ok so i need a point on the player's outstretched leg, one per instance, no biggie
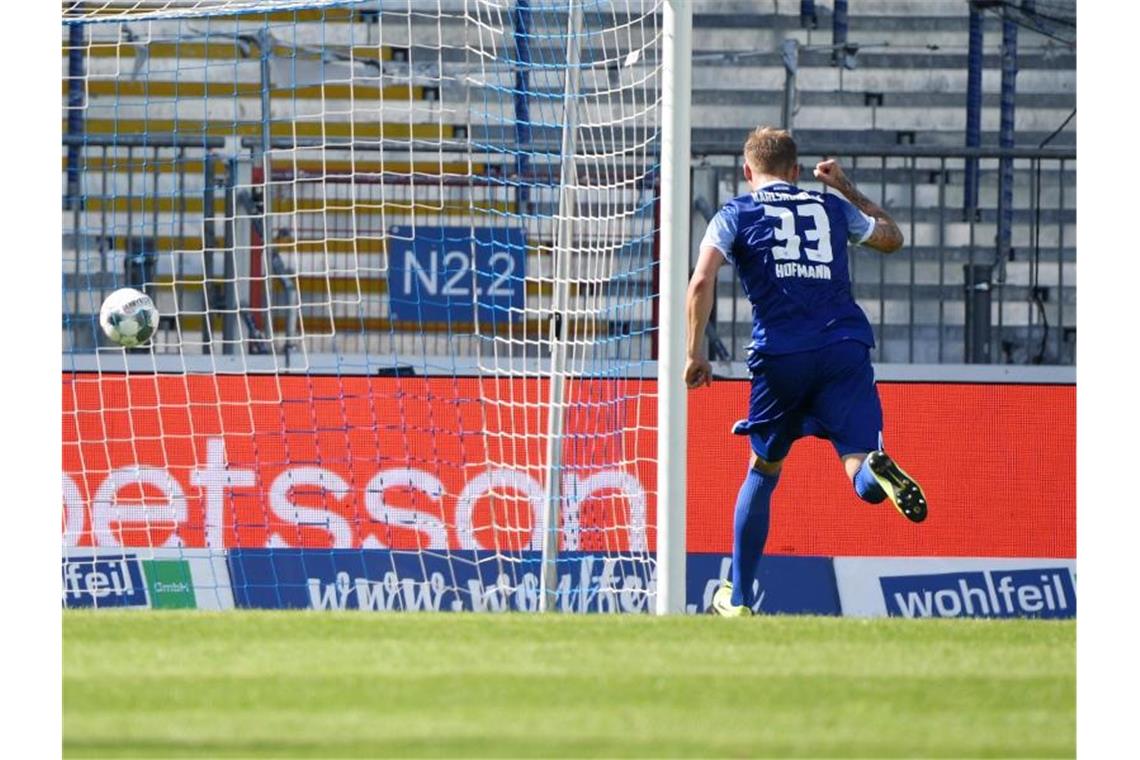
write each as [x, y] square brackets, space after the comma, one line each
[750, 533]
[880, 477]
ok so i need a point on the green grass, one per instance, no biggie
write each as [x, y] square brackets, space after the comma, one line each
[245, 684]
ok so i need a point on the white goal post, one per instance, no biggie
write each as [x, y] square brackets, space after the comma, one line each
[672, 414]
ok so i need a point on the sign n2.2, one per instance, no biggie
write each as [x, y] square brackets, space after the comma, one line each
[455, 274]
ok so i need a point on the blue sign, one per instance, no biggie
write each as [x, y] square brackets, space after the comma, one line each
[1046, 592]
[380, 579]
[452, 274]
[104, 581]
[784, 585]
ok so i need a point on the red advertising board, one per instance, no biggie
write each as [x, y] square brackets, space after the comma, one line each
[347, 462]
[997, 463]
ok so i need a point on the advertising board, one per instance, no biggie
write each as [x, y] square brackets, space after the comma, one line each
[415, 463]
[950, 587]
[155, 578]
[996, 462]
[375, 580]
[356, 462]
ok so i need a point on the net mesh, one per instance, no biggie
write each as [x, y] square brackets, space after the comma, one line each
[404, 258]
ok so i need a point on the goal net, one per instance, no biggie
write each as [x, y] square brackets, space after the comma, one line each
[405, 256]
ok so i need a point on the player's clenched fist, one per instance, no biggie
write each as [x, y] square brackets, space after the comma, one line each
[698, 372]
[830, 173]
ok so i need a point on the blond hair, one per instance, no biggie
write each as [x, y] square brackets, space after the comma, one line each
[771, 151]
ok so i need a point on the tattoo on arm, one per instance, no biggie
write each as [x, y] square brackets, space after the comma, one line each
[887, 236]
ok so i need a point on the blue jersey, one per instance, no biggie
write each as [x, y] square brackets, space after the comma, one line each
[789, 247]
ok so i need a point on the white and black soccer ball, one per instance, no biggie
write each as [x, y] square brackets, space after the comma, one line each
[128, 317]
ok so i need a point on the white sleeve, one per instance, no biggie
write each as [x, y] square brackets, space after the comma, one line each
[721, 232]
[859, 225]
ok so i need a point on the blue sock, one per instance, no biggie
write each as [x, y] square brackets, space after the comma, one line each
[866, 486]
[750, 532]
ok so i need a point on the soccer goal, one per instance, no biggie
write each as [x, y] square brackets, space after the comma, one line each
[419, 266]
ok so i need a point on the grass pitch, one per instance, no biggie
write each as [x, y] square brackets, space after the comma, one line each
[246, 684]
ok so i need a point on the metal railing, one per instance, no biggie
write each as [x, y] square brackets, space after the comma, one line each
[260, 267]
[954, 294]
[172, 217]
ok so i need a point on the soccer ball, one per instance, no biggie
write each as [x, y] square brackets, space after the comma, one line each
[128, 317]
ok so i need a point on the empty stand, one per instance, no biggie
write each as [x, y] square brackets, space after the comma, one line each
[370, 131]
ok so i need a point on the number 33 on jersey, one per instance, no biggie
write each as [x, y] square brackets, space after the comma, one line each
[789, 247]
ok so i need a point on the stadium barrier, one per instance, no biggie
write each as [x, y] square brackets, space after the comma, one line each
[177, 499]
[954, 294]
[380, 580]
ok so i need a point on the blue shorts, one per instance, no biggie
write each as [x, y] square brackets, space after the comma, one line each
[829, 393]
